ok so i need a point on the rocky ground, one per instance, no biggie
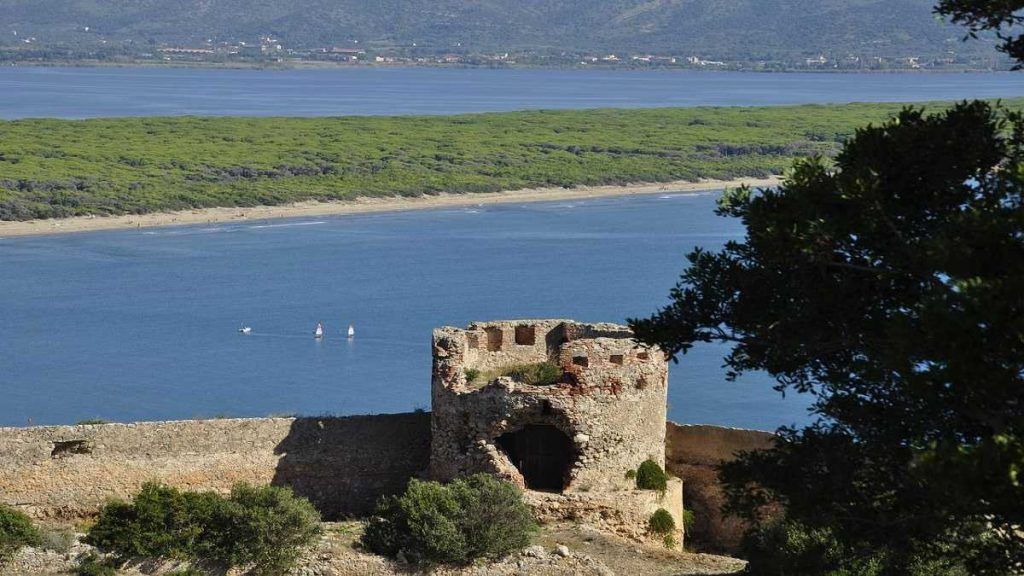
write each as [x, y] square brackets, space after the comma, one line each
[568, 550]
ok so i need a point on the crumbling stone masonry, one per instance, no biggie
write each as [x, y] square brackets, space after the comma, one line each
[570, 443]
[343, 465]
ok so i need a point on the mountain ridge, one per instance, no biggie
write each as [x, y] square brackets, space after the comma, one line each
[728, 29]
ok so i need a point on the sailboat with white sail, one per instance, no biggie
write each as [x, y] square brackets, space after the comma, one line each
[351, 331]
[319, 332]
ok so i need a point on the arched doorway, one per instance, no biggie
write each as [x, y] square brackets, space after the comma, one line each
[542, 453]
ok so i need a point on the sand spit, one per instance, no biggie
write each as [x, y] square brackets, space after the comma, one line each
[358, 206]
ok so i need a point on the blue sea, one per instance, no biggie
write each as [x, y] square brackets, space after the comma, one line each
[90, 92]
[142, 324]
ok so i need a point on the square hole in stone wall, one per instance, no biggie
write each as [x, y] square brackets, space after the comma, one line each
[616, 359]
[581, 361]
[643, 356]
[526, 335]
[494, 339]
[62, 448]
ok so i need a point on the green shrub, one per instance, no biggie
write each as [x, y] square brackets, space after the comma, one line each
[475, 517]
[16, 531]
[670, 541]
[187, 572]
[630, 474]
[661, 522]
[266, 528]
[92, 564]
[59, 541]
[263, 528]
[650, 476]
[785, 548]
[92, 421]
[161, 522]
[540, 374]
[688, 519]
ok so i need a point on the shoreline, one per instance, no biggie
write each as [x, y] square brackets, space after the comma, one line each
[366, 205]
[327, 65]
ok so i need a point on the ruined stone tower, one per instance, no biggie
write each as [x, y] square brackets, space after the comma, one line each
[568, 439]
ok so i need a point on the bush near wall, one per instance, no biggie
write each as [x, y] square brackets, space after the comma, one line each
[92, 564]
[650, 476]
[262, 528]
[456, 523]
[661, 522]
[540, 374]
[16, 531]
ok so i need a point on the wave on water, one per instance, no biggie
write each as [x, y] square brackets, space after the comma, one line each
[294, 335]
[287, 224]
[188, 230]
[686, 195]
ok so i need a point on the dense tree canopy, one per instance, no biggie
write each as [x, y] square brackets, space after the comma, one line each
[1004, 17]
[890, 286]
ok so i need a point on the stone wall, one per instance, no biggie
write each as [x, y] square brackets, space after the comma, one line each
[570, 440]
[693, 453]
[341, 464]
[704, 445]
[625, 512]
[491, 345]
[608, 408]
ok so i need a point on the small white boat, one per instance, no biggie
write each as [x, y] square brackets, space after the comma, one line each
[245, 330]
[351, 331]
[319, 332]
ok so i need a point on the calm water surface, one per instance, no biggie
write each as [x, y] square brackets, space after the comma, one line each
[89, 92]
[141, 325]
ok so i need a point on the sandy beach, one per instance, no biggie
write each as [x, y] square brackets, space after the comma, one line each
[359, 206]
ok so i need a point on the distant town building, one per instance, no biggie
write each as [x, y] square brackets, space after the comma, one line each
[698, 61]
[191, 51]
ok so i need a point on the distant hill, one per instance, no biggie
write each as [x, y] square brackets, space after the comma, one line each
[724, 29]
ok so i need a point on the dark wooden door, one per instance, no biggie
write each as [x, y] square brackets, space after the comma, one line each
[542, 453]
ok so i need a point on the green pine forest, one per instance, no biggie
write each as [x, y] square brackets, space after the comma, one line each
[61, 168]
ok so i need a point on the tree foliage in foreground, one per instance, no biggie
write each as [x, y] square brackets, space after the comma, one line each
[891, 287]
[1003, 17]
